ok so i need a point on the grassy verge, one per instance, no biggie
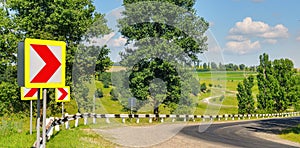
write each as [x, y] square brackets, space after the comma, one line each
[292, 134]
[78, 137]
[15, 133]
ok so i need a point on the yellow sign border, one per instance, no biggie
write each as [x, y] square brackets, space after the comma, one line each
[29, 98]
[28, 84]
[68, 96]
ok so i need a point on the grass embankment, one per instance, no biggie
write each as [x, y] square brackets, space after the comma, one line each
[292, 134]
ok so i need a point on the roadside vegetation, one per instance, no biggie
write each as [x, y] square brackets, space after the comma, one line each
[292, 134]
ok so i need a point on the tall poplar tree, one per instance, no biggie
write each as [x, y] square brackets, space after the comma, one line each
[245, 97]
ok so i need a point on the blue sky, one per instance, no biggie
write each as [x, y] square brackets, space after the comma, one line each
[242, 29]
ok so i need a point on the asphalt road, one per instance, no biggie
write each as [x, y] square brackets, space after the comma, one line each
[241, 134]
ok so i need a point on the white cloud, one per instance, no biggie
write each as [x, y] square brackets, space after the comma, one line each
[242, 47]
[270, 41]
[117, 42]
[258, 29]
[247, 35]
[236, 38]
[298, 38]
[279, 31]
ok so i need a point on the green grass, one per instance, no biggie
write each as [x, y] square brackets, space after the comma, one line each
[292, 134]
[106, 104]
[15, 133]
[78, 137]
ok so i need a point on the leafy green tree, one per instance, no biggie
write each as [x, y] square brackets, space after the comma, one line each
[72, 21]
[9, 90]
[285, 74]
[214, 66]
[265, 82]
[245, 97]
[154, 29]
[277, 83]
[242, 66]
[203, 87]
[205, 67]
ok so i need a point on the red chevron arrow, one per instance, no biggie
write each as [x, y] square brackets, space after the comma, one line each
[63, 94]
[52, 63]
[31, 92]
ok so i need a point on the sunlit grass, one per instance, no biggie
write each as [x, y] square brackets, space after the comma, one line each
[292, 134]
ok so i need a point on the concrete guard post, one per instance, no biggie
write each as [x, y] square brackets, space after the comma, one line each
[67, 125]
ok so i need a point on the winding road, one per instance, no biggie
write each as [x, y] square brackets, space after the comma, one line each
[250, 134]
[243, 134]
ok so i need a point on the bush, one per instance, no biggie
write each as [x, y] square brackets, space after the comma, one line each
[221, 98]
[113, 94]
[105, 78]
[99, 93]
[203, 87]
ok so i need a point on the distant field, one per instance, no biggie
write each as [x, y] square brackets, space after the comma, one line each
[116, 68]
[224, 75]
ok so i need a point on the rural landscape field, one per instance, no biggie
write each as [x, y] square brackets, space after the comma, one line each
[149, 73]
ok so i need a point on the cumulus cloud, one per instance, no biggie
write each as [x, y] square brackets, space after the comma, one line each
[242, 47]
[248, 35]
[117, 42]
[236, 38]
[111, 40]
[270, 41]
[259, 29]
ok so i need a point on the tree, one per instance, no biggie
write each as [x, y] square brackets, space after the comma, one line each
[214, 66]
[9, 90]
[103, 61]
[265, 82]
[242, 66]
[203, 87]
[205, 67]
[154, 32]
[244, 96]
[284, 73]
[221, 66]
[277, 84]
[71, 21]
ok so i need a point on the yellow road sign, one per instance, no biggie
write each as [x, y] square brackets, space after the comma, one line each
[62, 94]
[30, 93]
[45, 63]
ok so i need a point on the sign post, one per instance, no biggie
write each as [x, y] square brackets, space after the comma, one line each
[29, 94]
[30, 117]
[44, 67]
[44, 116]
[38, 132]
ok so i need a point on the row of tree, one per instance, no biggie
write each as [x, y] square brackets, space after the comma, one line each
[221, 67]
[278, 86]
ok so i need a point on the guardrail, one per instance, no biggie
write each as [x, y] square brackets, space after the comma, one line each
[56, 122]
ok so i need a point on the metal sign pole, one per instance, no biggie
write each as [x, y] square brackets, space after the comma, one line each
[44, 116]
[30, 117]
[94, 103]
[131, 103]
[62, 109]
[38, 132]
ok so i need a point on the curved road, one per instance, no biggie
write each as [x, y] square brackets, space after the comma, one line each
[241, 134]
